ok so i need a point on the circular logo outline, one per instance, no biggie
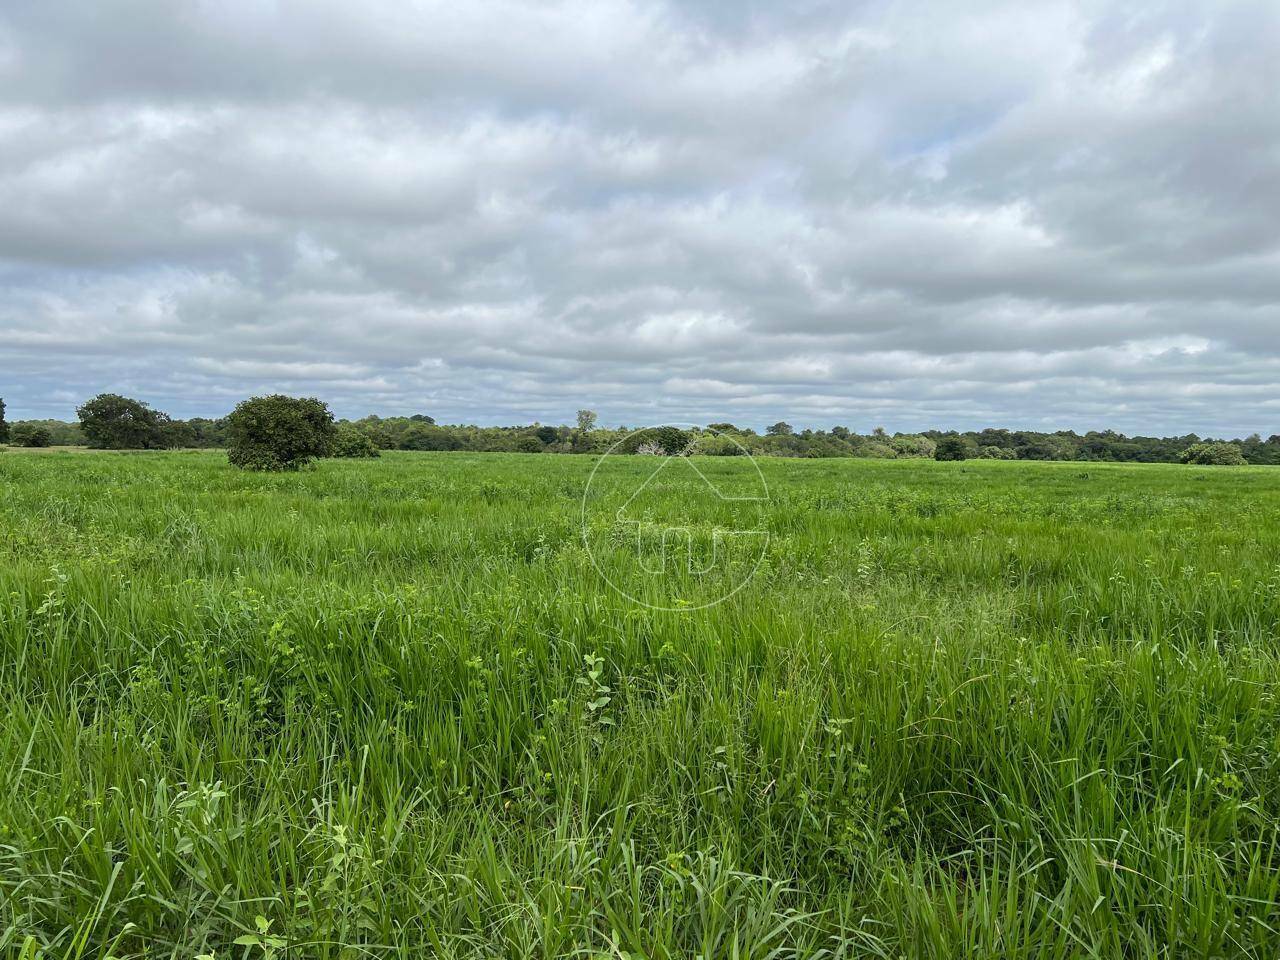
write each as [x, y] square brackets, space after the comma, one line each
[685, 453]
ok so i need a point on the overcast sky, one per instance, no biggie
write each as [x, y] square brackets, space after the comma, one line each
[1046, 215]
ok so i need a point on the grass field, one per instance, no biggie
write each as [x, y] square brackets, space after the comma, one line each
[395, 708]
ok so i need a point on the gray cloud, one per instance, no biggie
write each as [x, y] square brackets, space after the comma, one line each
[1030, 214]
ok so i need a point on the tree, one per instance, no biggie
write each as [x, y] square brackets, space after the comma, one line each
[423, 437]
[353, 444]
[992, 452]
[4, 427]
[29, 435]
[780, 429]
[717, 445]
[178, 433]
[548, 435]
[951, 448]
[1214, 454]
[279, 432]
[586, 421]
[113, 422]
[876, 450]
[913, 445]
[667, 441]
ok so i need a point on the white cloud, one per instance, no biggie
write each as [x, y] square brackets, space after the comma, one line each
[1049, 213]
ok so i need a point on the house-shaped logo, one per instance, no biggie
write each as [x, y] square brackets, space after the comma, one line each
[676, 532]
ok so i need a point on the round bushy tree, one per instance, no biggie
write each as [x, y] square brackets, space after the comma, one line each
[1214, 454]
[113, 422]
[951, 448]
[28, 435]
[279, 433]
[716, 445]
[669, 441]
[909, 445]
[426, 437]
[351, 443]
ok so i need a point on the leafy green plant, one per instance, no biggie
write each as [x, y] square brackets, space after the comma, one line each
[279, 433]
[112, 422]
[26, 435]
[952, 448]
[1214, 454]
[352, 444]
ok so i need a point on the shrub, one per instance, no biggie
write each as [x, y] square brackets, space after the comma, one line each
[279, 433]
[26, 435]
[952, 448]
[670, 441]
[875, 450]
[1214, 454]
[913, 445]
[353, 444]
[992, 452]
[421, 437]
[711, 445]
[113, 422]
[1047, 448]
[528, 443]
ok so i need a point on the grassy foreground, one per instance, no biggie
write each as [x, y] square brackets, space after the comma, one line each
[394, 708]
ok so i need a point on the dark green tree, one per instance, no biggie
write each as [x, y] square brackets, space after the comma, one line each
[178, 433]
[279, 432]
[421, 436]
[352, 443]
[780, 429]
[672, 441]
[4, 427]
[29, 435]
[112, 422]
[951, 448]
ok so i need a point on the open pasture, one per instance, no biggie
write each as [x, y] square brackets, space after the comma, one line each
[395, 708]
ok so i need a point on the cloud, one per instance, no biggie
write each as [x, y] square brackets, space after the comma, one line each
[1036, 214]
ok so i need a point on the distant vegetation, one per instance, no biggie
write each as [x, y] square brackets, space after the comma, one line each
[30, 435]
[113, 422]
[1216, 454]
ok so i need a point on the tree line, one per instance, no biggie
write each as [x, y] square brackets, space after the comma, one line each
[112, 422]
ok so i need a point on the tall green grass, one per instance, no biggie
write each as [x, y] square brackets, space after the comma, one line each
[392, 708]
